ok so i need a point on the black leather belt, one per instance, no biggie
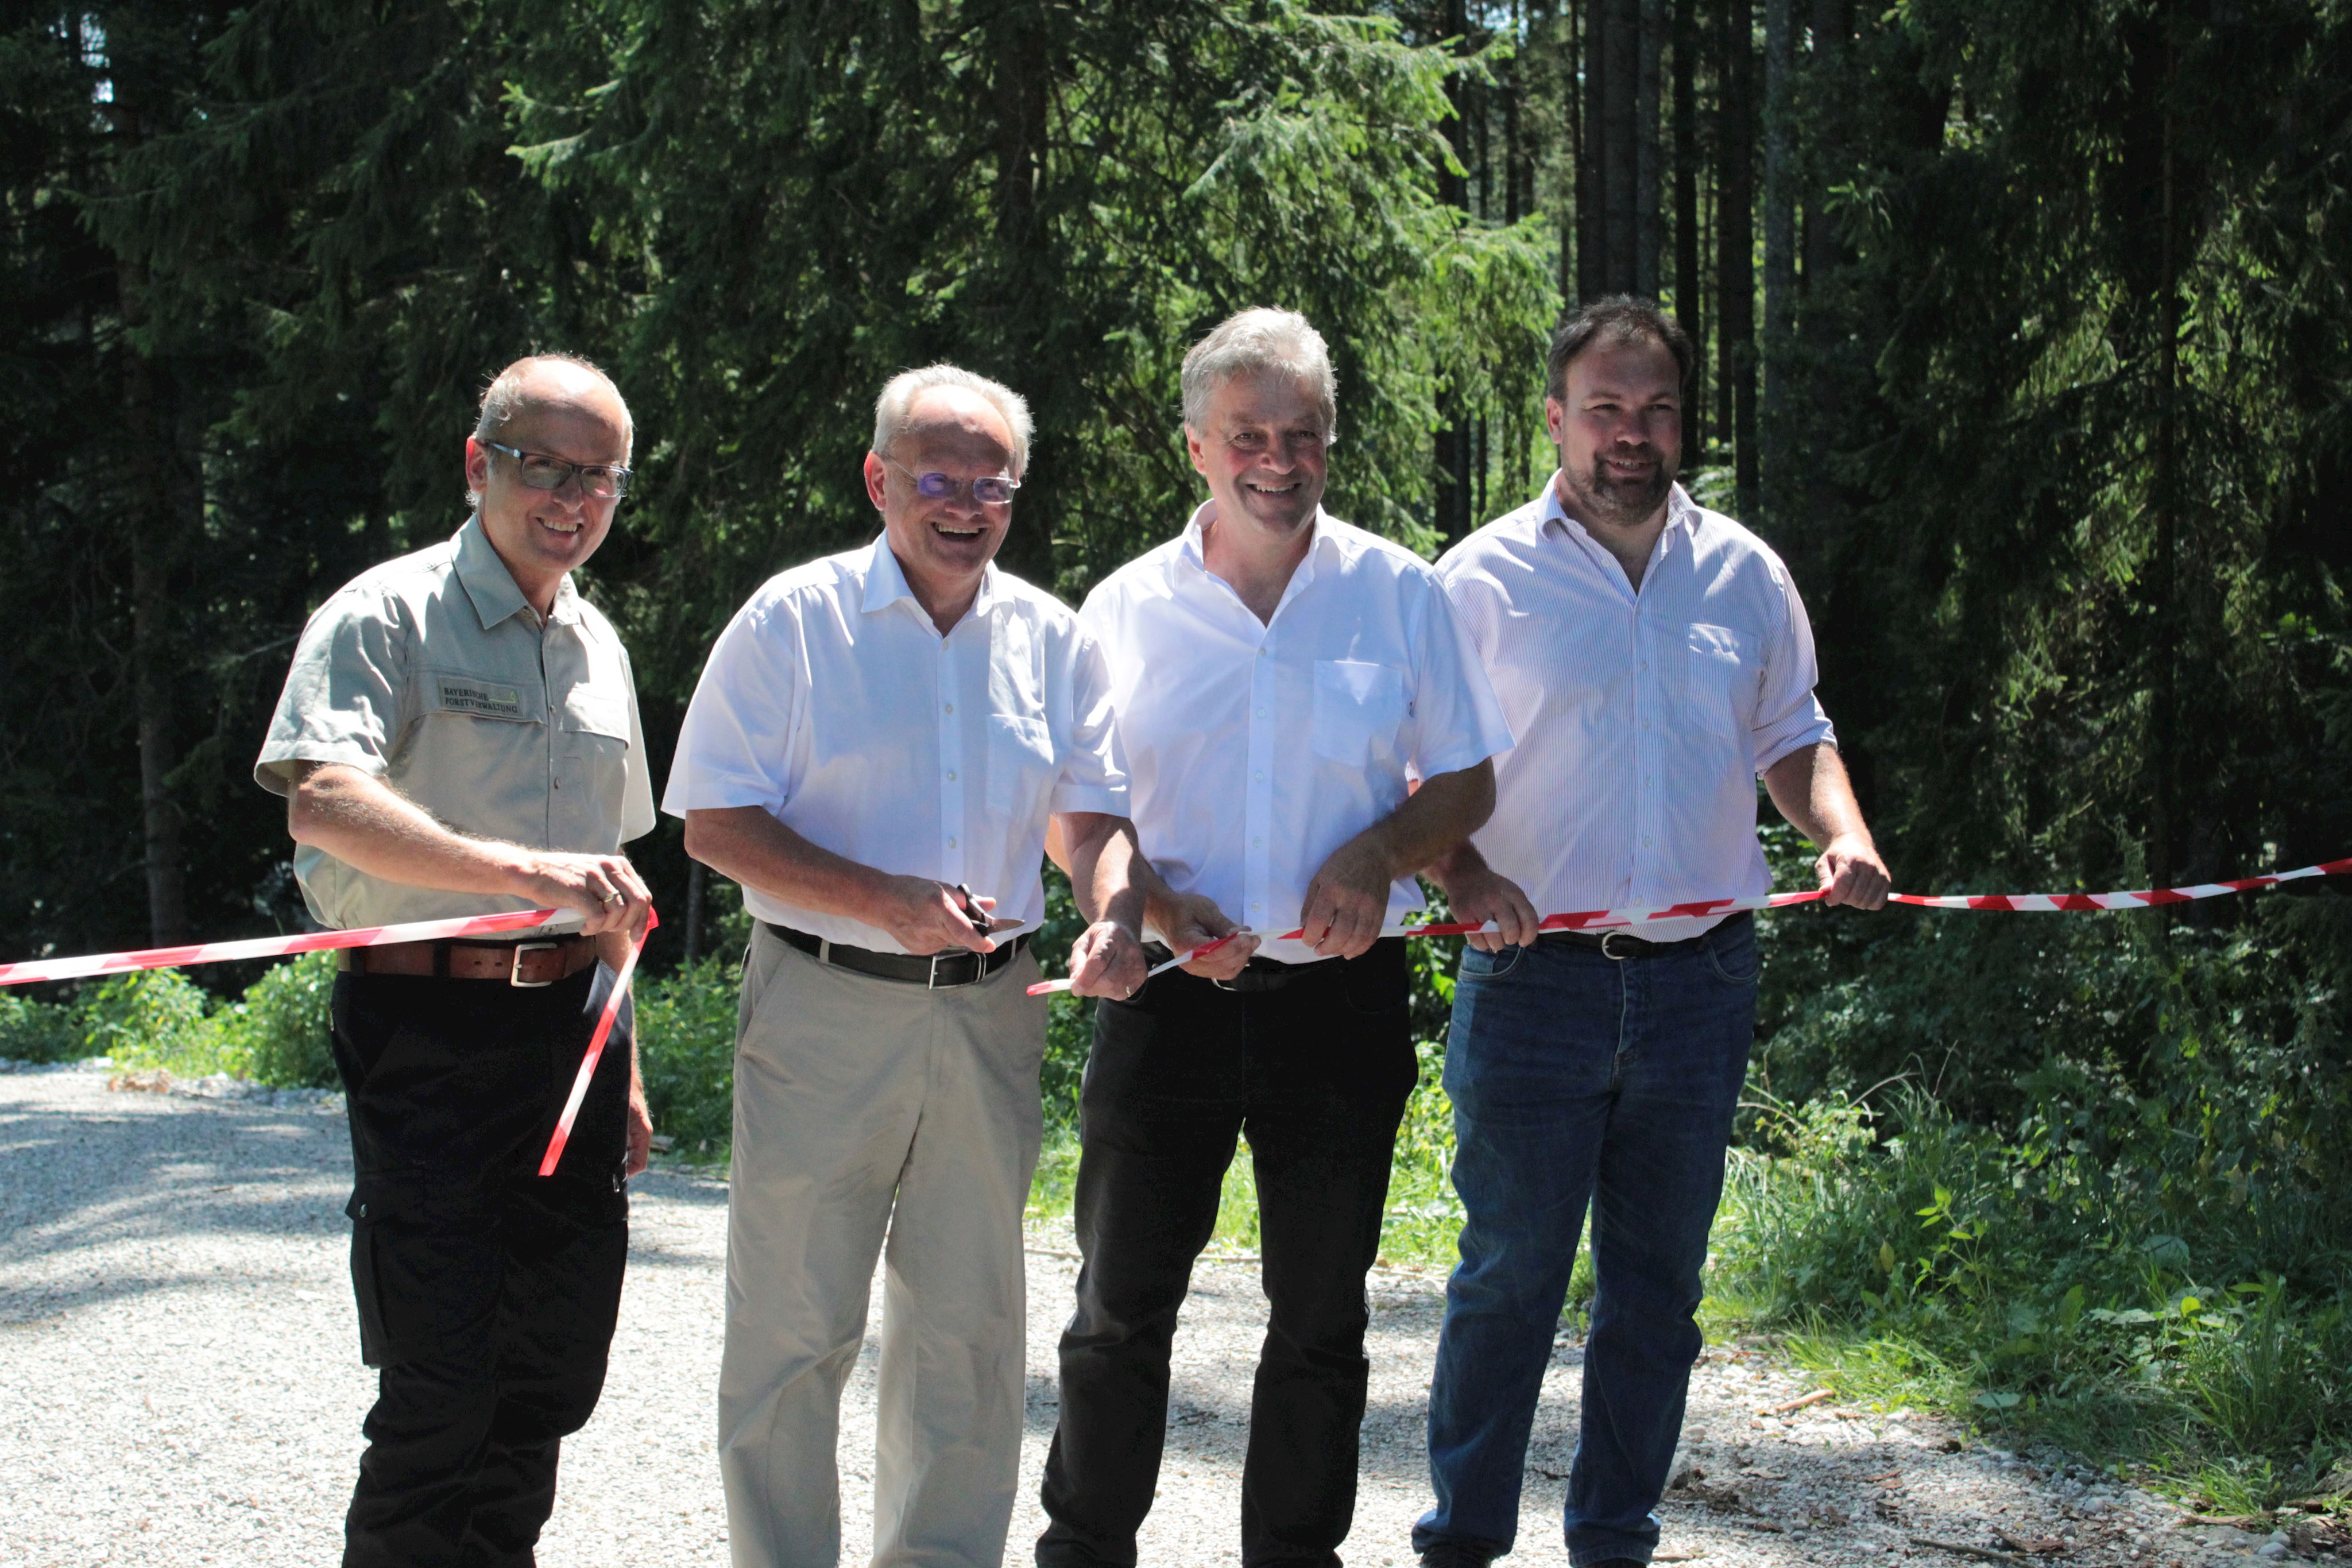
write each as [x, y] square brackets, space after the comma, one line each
[1626, 945]
[1257, 975]
[936, 971]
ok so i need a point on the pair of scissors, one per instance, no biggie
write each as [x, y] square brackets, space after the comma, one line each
[973, 911]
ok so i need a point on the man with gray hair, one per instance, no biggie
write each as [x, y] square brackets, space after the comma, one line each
[875, 750]
[1283, 682]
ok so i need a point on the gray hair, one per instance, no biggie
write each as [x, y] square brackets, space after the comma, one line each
[1252, 342]
[893, 409]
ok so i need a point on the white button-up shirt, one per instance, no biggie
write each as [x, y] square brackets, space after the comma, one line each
[1257, 748]
[832, 701]
[1644, 719]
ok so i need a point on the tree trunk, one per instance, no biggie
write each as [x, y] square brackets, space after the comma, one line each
[2164, 760]
[1687, 287]
[1735, 236]
[148, 506]
[1649, 164]
[1818, 315]
[1514, 155]
[1621, 57]
[1451, 447]
[1586, 70]
[1780, 248]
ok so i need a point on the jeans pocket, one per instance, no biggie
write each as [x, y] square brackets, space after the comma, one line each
[1731, 954]
[1481, 965]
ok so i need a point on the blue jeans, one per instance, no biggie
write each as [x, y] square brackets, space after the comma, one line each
[1579, 1079]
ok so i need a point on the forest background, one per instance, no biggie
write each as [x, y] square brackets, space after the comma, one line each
[2024, 339]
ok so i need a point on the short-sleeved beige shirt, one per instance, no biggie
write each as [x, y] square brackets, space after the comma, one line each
[434, 674]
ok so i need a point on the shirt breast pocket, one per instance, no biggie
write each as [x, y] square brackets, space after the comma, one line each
[1020, 762]
[1723, 670]
[1358, 708]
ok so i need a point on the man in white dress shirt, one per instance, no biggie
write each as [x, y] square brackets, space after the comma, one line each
[874, 752]
[1654, 661]
[1281, 679]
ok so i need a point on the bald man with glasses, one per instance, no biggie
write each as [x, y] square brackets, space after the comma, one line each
[459, 736]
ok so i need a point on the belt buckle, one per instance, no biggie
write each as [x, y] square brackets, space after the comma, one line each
[1608, 936]
[514, 970]
[932, 984]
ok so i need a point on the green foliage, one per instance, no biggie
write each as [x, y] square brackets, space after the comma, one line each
[282, 1032]
[1069, 1021]
[32, 1030]
[686, 1050]
[155, 1018]
[279, 1033]
[1928, 1257]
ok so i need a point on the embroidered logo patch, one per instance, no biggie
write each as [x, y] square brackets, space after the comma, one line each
[461, 694]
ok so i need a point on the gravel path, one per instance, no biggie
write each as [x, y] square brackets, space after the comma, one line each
[180, 1383]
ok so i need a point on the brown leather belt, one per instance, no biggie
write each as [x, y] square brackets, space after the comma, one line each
[533, 963]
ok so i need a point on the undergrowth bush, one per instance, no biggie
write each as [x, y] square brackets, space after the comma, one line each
[686, 1035]
[279, 1032]
[34, 1031]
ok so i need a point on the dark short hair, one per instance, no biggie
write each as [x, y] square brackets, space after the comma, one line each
[1614, 319]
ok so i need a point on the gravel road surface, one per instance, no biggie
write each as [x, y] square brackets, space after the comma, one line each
[180, 1383]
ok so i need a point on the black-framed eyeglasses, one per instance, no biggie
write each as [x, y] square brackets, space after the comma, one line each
[541, 472]
[988, 489]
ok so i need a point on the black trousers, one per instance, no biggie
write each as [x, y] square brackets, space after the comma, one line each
[1315, 1075]
[486, 1294]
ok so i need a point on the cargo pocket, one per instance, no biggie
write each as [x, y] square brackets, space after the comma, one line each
[425, 1272]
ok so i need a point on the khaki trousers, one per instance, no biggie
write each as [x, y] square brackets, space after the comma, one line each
[872, 1113]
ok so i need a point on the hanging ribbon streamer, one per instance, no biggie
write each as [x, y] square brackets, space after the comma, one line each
[595, 1049]
[1620, 919]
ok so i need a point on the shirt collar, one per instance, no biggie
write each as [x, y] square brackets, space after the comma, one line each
[886, 583]
[1191, 546]
[491, 587]
[1682, 513]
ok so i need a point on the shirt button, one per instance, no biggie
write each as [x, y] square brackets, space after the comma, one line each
[952, 843]
[1261, 652]
[1645, 724]
[1261, 713]
[950, 775]
[1257, 844]
[1259, 776]
[1645, 843]
[950, 707]
[1645, 663]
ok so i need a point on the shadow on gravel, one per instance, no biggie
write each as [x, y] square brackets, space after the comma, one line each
[78, 1175]
[108, 1165]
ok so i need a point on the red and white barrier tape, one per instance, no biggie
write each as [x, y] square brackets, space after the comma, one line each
[274, 946]
[595, 1047]
[1619, 919]
[365, 936]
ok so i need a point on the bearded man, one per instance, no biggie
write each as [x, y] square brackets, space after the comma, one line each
[1654, 660]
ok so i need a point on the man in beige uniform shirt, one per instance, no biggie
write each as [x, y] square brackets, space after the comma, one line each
[459, 736]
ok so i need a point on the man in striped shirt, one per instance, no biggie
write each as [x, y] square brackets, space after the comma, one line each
[1654, 660]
